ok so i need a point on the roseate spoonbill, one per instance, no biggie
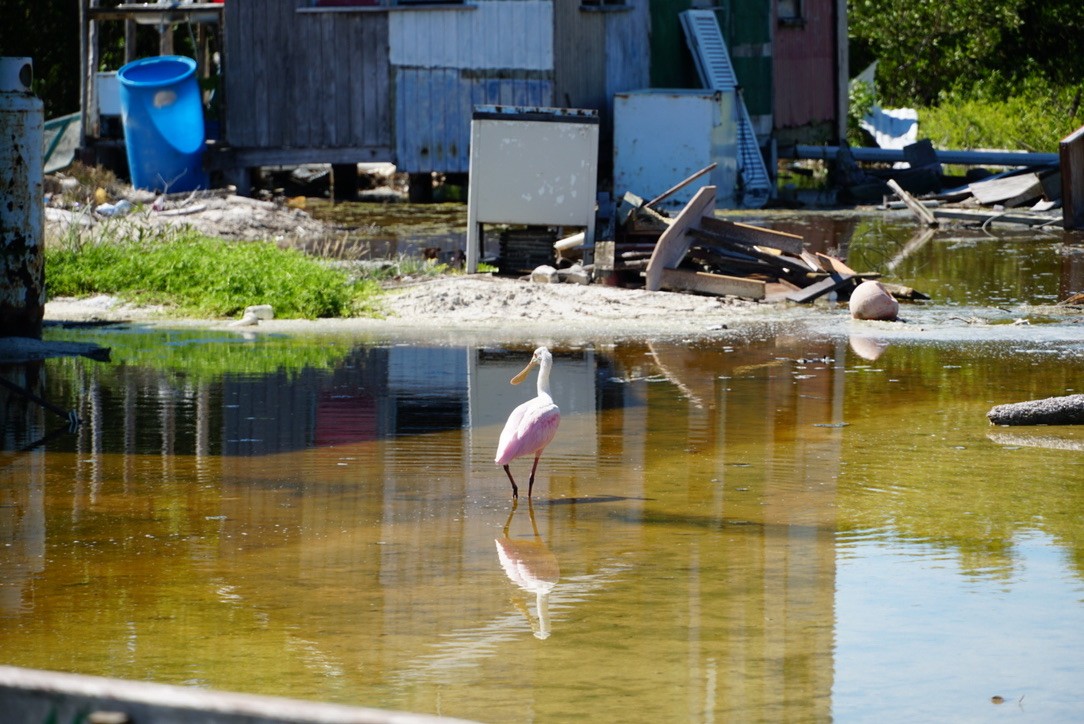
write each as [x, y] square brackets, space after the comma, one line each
[532, 425]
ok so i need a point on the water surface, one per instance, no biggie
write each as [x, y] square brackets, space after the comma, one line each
[762, 524]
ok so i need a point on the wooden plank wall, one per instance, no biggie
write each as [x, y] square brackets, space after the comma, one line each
[448, 59]
[598, 54]
[433, 108]
[805, 75]
[400, 86]
[579, 57]
[307, 80]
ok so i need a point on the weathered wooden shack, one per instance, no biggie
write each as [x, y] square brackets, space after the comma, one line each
[349, 81]
[310, 81]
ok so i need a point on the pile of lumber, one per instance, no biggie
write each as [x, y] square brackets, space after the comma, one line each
[698, 252]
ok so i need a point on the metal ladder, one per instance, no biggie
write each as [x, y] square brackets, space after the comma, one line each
[716, 72]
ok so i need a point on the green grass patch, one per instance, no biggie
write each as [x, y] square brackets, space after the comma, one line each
[204, 276]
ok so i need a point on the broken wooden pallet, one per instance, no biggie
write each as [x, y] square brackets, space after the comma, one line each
[674, 242]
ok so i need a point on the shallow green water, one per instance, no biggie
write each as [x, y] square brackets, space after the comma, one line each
[804, 520]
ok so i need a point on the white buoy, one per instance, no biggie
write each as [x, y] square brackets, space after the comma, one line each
[870, 300]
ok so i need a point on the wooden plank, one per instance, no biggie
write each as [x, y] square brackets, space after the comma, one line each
[924, 215]
[984, 217]
[756, 235]
[723, 262]
[832, 264]
[833, 282]
[778, 265]
[717, 284]
[680, 185]
[1071, 159]
[1009, 190]
[674, 242]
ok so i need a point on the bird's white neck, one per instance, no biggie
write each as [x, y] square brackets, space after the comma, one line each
[544, 375]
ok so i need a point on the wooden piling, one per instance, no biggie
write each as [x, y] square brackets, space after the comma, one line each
[1071, 157]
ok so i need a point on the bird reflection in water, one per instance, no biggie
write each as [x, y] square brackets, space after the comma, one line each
[532, 566]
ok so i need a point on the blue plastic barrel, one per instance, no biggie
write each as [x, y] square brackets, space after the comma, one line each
[162, 113]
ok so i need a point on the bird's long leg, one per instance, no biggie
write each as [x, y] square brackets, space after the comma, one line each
[515, 490]
[530, 483]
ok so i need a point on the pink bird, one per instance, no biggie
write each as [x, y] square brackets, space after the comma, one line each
[532, 425]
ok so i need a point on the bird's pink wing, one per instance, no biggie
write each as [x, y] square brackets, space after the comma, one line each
[529, 429]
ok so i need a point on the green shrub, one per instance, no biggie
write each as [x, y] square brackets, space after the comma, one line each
[1033, 116]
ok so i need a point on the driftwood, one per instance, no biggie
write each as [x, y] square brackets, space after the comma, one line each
[700, 253]
[1066, 410]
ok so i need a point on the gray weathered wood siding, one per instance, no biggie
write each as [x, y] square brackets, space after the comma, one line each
[399, 84]
[598, 54]
[448, 59]
[307, 80]
[433, 108]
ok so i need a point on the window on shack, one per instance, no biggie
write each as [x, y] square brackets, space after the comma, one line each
[789, 13]
[603, 3]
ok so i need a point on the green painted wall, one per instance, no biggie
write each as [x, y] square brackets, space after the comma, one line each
[746, 26]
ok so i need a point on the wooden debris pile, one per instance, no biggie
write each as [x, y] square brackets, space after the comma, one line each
[1029, 197]
[698, 252]
[1041, 194]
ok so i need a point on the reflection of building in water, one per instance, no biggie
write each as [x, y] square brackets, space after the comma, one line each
[575, 390]
[363, 498]
[752, 490]
[375, 393]
[22, 487]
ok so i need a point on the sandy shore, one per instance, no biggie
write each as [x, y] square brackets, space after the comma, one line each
[459, 304]
[458, 308]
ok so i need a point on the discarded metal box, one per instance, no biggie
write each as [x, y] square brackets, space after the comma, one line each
[664, 135]
[532, 166]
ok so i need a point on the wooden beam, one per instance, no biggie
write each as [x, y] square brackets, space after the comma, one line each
[1071, 154]
[679, 186]
[717, 284]
[984, 217]
[674, 242]
[832, 264]
[833, 282]
[755, 235]
[158, 14]
[924, 215]
[788, 267]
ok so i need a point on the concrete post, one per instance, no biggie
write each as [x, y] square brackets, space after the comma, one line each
[22, 206]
